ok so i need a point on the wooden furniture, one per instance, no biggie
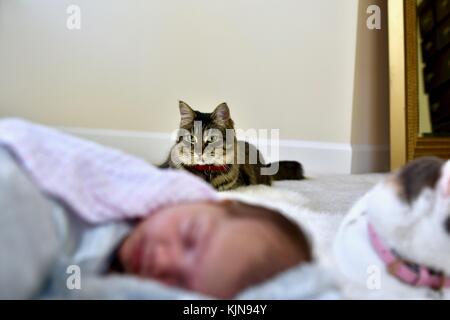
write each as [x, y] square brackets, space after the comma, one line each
[406, 142]
[434, 24]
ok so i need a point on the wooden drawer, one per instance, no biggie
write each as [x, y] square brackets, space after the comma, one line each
[429, 46]
[442, 9]
[443, 34]
[426, 19]
[440, 104]
[443, 127]
[438, 72]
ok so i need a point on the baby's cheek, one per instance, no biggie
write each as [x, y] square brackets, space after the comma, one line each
[217, 276]
[124, 254]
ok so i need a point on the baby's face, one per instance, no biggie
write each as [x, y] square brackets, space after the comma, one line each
[202, 248]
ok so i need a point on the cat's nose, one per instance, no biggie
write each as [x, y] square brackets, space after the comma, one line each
[447, 225]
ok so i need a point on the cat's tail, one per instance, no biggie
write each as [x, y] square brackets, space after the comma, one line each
[289, 170]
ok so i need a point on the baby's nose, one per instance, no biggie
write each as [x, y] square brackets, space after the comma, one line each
[162, 261]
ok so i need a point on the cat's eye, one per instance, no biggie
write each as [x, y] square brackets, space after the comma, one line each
[189, 232]
[211, 139]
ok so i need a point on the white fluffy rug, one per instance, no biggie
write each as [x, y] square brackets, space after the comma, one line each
[317, 204]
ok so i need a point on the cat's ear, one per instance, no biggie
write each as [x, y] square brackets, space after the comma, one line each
[186, 113]
[221, 113]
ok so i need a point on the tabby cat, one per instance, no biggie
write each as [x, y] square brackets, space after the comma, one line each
[207, 147]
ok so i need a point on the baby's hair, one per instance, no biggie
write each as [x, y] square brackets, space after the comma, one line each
[287, 227]
[292, 249]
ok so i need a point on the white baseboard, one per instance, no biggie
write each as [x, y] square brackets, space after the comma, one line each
[316, 157]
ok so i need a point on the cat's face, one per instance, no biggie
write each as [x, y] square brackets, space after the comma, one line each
[204, 138]
[411, 212]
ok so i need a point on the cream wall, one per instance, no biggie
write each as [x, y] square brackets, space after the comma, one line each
[279, 64]
[309, 68]
[370, 122]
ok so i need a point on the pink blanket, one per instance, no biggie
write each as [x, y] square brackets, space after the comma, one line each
[98, 183]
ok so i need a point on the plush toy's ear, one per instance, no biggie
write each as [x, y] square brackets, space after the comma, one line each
[186, 113]
[221, 113]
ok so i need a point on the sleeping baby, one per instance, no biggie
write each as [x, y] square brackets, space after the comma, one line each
[70, 205]
[216, 248]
